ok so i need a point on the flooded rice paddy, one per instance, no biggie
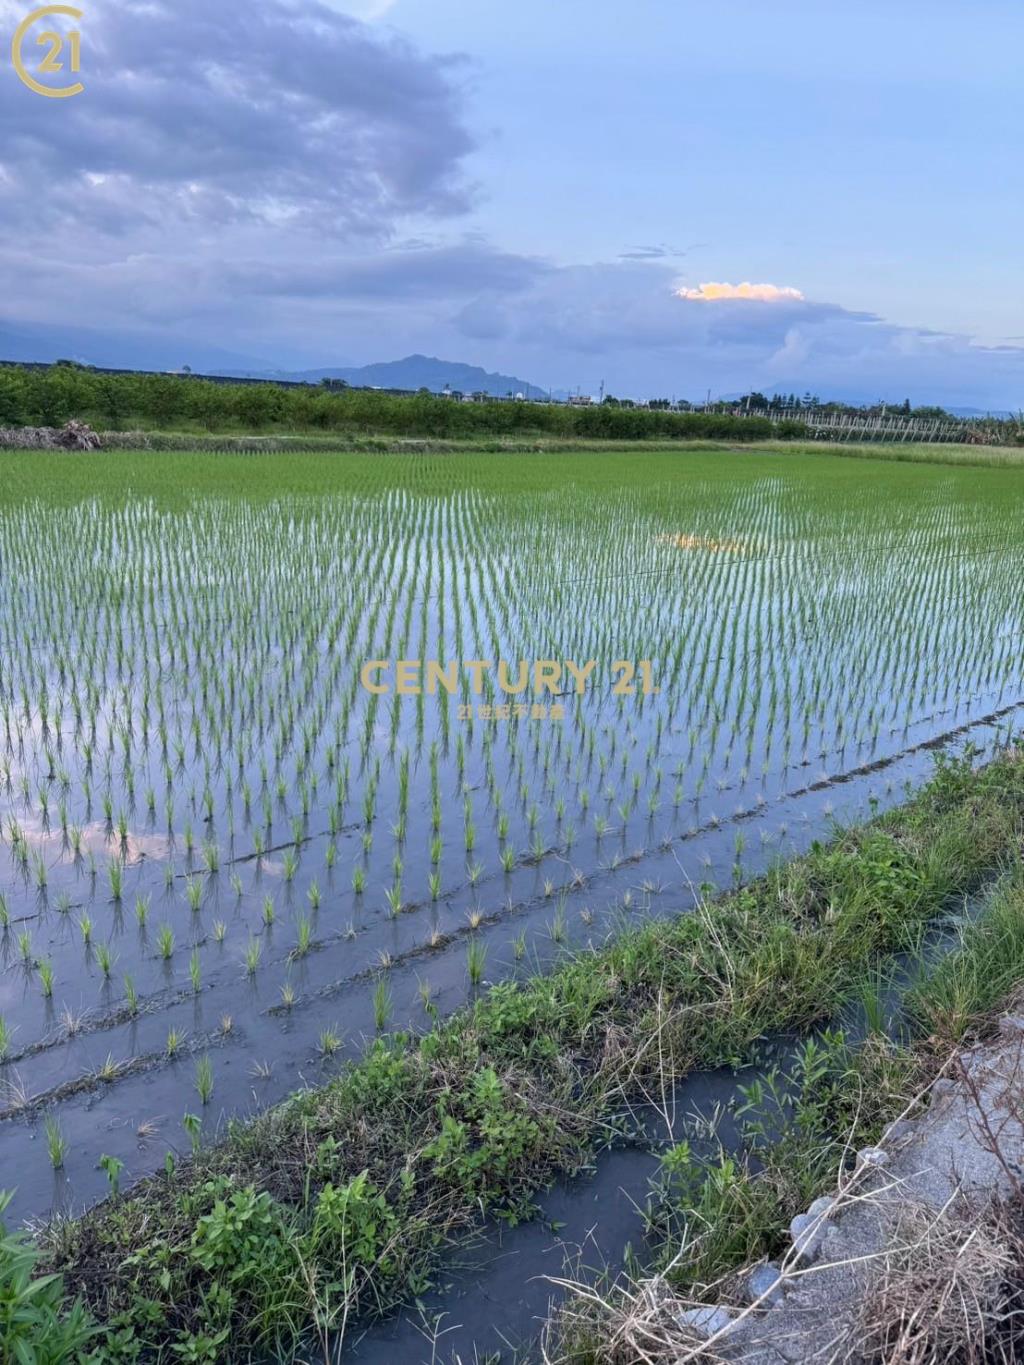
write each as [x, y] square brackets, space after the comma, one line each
[225, 863]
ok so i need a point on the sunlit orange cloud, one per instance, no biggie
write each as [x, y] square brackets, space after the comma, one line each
[763, 293]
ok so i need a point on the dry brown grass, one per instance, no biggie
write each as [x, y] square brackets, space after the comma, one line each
[944, 1292]
[634, 1324]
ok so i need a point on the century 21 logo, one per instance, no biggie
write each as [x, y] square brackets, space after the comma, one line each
[61, 51]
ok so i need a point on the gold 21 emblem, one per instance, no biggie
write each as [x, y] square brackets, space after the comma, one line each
[61, 51]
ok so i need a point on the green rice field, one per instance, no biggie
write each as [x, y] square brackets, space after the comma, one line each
[226, 863]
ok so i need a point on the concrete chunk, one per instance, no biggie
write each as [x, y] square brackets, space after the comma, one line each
[707, 1321]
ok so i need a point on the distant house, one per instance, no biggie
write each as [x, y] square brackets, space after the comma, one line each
[580, 400]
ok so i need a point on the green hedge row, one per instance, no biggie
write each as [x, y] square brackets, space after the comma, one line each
[52, 396]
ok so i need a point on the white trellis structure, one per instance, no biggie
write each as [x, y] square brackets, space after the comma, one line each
[879, 427]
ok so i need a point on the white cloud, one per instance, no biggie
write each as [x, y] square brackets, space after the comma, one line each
[761, 293]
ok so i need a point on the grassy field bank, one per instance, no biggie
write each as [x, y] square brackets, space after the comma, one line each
[336, 1204]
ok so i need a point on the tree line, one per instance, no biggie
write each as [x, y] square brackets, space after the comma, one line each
[120, 402]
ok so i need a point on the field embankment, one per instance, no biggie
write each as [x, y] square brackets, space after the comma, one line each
[337, 1203]
[238, 440]
[978, 456]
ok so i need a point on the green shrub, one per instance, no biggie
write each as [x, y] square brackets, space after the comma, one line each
[243, 1232]
[353, 1227]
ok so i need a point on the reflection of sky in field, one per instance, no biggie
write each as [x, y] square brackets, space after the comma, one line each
[96, 838]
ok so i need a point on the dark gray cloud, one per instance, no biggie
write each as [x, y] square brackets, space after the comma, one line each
[440, 272]
[607, 307]
[467, 300]
[208, 114]
[267, 175]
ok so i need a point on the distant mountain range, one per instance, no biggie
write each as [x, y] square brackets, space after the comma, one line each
[417, 372]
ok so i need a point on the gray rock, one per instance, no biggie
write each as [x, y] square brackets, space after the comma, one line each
[942, 1093]
[763, 1283]
[940, 1170]
[807, 1234]
[808, 1229]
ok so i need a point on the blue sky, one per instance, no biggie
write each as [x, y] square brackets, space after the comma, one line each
[863, 152]
[543, 189]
